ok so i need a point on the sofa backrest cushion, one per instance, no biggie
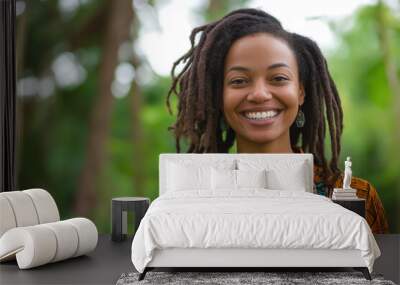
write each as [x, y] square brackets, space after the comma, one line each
[26, 208]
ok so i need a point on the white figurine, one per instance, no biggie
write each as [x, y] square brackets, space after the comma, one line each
[347, 174]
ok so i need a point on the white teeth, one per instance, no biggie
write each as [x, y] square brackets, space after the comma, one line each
[261, 115]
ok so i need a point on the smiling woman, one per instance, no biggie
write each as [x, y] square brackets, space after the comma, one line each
[247, 79]
[262, 93]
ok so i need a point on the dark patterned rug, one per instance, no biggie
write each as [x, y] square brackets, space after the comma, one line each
[229, 278]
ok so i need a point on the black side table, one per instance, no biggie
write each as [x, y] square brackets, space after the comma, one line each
[119, 207]
[357, 205]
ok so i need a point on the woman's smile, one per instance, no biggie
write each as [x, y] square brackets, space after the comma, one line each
[261, 118]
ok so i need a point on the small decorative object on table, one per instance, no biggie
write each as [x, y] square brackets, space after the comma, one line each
[345, 193]
[120, 206]
[347, 174]
[347, 196]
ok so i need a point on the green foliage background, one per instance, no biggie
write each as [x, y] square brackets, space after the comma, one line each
[53, 130]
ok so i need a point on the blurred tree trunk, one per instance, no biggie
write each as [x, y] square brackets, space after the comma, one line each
[138, 143]
[20, 40]
[139, 175]
[117, 31]
[20, 53]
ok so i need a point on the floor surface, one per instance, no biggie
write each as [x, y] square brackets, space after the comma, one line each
[110, 259]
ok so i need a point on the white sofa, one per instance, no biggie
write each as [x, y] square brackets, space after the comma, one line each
[31, 231]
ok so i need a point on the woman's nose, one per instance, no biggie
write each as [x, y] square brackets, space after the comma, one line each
[259, 93]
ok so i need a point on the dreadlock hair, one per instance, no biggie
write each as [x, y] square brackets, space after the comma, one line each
[200, 100]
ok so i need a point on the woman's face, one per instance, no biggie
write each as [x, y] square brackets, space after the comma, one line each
[261, 92]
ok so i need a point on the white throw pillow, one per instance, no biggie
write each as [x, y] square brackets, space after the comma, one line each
[293, 180]
[223, 179]
[251, 178]
[227, 179]
[181, 177]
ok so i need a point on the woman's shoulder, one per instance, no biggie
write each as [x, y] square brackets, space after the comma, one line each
[361, 184]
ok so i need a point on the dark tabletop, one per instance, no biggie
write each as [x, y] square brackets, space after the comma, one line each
[130, 199]
[110, 259]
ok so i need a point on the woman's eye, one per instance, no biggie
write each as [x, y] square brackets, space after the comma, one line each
[238, 81]
[280, 78]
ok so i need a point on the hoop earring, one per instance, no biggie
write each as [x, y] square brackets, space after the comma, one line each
[300, 119]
